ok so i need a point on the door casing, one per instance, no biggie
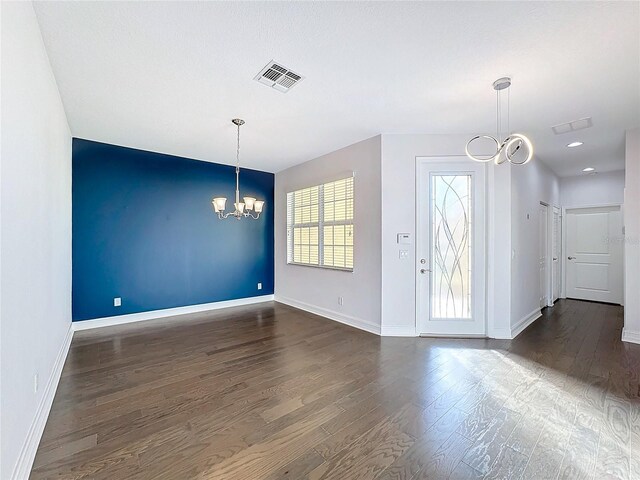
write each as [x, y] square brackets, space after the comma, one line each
[543, 254]
[556, 255]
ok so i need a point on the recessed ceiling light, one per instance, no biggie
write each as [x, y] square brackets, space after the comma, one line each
[588, 169]
[574, 144]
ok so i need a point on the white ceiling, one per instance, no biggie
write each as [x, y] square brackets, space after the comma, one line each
[168, 77]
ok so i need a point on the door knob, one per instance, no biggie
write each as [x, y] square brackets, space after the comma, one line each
[571, 258]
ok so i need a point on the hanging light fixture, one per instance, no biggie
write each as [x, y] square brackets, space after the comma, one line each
[250, 204]
[515, 148]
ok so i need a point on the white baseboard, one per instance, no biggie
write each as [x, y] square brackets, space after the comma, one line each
[524, 322]
[167, 312]
[629, 336]
[398, 331]
[355, 322]
[28, 451]
[500, 333]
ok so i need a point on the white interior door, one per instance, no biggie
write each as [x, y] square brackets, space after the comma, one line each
[543, 257]
[594, 254]
[556, 251]
[451, 247]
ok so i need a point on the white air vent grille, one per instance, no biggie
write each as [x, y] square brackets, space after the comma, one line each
[572, 126]
[276, 76]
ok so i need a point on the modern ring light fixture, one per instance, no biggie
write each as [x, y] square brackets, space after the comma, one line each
[250, 204]
[514, 145]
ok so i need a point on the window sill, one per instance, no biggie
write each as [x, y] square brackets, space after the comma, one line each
[323, 267]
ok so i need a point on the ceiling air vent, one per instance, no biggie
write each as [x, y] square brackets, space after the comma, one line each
[572, 126]
[278, 77]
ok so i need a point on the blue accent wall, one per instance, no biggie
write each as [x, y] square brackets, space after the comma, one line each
[144, 230]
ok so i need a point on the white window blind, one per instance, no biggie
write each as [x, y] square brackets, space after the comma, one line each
[320, 225]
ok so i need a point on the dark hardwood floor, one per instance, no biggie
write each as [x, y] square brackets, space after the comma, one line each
[271, 392]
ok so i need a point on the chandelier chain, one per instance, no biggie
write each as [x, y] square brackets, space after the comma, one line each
[238, 150]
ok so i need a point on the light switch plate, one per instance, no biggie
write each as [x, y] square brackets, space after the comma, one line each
[117, 302]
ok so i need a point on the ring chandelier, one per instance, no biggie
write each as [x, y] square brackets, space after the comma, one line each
[515, 148]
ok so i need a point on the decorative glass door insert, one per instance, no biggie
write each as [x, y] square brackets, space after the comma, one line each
[451, 199]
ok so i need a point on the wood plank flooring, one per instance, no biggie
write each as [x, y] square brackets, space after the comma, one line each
[271, 392]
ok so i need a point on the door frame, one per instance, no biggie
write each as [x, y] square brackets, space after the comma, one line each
[560, 272]
[563, 283]
[482, 276]
[548, 266]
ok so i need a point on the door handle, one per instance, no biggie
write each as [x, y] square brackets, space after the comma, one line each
[424, 270]
[571, 258]
[555, 258]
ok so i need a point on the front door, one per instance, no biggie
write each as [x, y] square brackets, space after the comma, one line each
[594, 254]
[451, 247]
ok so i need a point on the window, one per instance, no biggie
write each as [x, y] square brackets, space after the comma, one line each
[320, 225]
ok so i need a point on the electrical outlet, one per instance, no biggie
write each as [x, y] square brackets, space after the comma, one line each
[340, 301]
[260, 286]
[35, 383]
[117, 302]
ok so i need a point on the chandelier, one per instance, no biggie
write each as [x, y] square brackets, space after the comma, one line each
[515, 148]
[250, 204]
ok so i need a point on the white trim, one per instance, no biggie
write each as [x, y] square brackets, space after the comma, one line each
[500, 333]
[599, 205]
[446, 335]
[398, 331]
[548, 280]
[631, 337]
[28, 451]
[555, 210]
[524, 322]
[167, 312]
[355, 322]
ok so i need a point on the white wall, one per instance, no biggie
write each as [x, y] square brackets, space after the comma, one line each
[399, 153]
[513, 193]
[35, 236]
[631, 330]
[318, 289]
[587, 190]
[531, 184]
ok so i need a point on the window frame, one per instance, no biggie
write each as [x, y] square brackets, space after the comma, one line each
[320, 224]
